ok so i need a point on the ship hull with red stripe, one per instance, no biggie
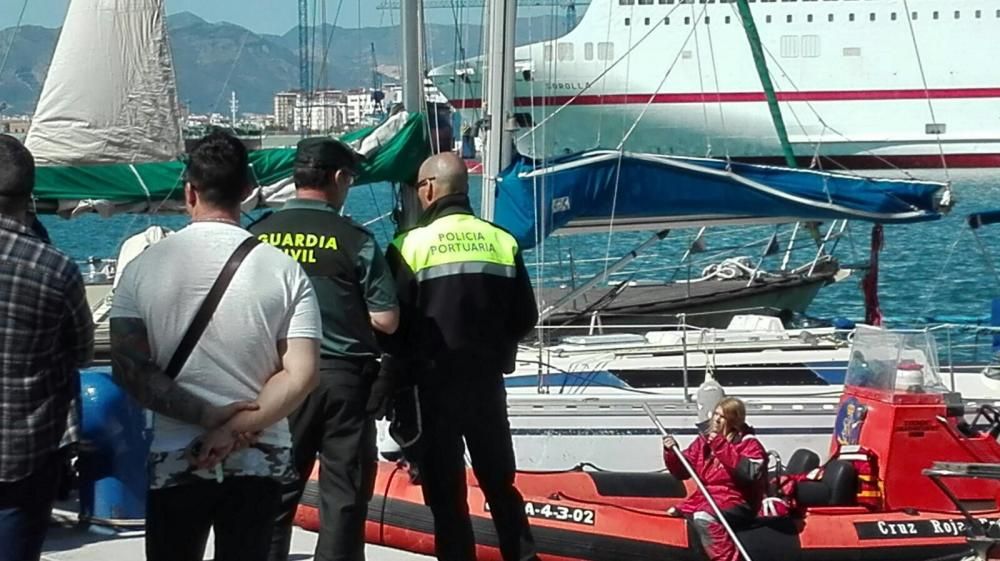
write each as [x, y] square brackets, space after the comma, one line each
[859, 86]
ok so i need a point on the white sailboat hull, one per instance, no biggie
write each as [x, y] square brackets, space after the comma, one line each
[588, 405]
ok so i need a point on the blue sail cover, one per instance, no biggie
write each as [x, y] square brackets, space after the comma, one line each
[647, 191]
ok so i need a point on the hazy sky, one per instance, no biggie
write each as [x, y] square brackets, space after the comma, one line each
[262, 16]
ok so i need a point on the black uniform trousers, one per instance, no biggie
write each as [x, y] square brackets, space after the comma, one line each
[465, 397]
[332, 422]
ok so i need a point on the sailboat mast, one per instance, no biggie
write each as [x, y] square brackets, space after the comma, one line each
[499, 100]
[413, 76]
[765, 80]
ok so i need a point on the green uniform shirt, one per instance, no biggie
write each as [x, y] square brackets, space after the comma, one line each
[347, 268]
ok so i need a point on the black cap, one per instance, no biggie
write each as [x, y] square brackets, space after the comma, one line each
[327, 153]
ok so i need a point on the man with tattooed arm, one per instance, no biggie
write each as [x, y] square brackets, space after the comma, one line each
[221, 446]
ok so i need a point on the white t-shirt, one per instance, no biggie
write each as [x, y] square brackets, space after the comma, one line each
[270, 298]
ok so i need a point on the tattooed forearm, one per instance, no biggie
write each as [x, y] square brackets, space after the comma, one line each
[133, 369]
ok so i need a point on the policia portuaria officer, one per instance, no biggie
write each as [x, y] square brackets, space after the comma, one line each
[356, 297]
[466, 301]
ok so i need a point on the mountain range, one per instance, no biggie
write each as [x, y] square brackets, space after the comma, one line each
[213, 59]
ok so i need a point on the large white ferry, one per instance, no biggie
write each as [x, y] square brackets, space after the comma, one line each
[868, 83]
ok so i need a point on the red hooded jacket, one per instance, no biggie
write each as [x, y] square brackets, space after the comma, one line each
[733, 472]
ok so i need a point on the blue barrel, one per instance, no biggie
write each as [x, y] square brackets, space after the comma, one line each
[115, 442]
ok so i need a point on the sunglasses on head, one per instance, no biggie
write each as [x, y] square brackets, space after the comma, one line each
[423, 182]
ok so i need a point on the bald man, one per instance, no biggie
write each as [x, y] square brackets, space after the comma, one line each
[465, 300]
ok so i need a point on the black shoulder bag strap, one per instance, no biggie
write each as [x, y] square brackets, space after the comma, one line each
[208, 307]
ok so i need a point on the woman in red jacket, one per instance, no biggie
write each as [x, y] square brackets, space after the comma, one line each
[732, 464]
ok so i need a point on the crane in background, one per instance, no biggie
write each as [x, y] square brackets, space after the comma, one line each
[570, 6]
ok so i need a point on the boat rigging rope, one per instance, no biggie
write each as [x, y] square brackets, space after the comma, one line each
[461, 30]
[621, 145]
[776, 62]
[618, 166]
[927, 91]
[652, 96]
[229, 76]
[540, 223]
[329, 38]
[718, 95]
[591, 83]
[701, 86]
[936, 281]
[13, 37]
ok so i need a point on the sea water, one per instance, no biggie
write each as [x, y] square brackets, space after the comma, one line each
[928, 270]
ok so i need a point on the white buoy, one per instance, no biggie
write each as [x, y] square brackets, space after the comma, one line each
[708, 395]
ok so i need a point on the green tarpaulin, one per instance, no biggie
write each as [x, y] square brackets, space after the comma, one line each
[395, 161]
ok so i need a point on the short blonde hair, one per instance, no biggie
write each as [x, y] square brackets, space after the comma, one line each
[735, 411]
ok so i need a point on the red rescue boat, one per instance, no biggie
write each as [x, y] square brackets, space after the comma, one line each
[870, 501]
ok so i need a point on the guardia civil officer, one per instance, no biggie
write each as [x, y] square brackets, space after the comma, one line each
[356, 297]
[466, 300]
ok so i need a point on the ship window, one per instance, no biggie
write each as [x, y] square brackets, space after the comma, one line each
[829, 17]
[708, 20]
[767, 19]
[565, 52]
[605, 51]
[687, 20]
[646, 21]
[935, 128]
[790, 46]
[871, 16]
[666, 1]
[809, 18]
[934, 15]
[728, 19]
[666, 20]
[958, 14]
[628, 21]
[998, 13]
[892, 16]
[810, 46]
[645, 2]
[850, 17]
[913, 16]
[588, 51]
[979, 14]
[626, 2]
[788, 18]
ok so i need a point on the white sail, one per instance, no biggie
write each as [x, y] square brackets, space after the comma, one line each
[110, 96]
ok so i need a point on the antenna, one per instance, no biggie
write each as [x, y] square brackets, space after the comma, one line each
[234, 105]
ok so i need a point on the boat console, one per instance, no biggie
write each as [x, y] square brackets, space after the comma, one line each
[895, 406]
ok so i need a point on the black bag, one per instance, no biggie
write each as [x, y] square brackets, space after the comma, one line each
[406, 425]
